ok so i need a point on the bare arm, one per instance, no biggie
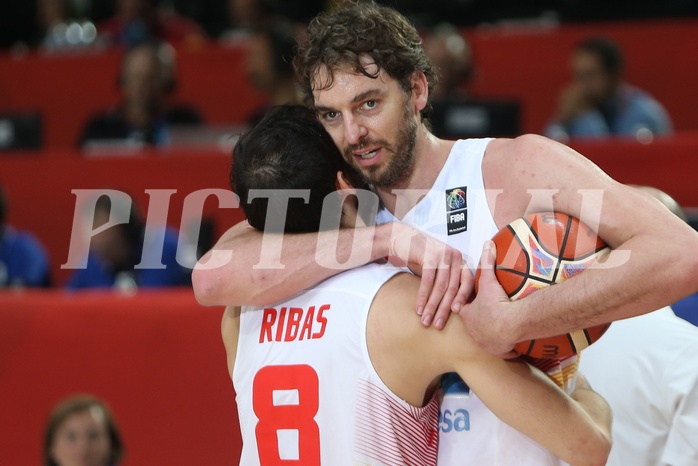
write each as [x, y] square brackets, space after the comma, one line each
[230, 331]
[593, 404]
[409, 357]
[247, 267]
[251, 272]
[645, 237]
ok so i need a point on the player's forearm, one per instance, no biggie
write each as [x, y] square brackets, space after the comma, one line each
[594, 405]
[641, 276]
[527, 400]
[251, 268]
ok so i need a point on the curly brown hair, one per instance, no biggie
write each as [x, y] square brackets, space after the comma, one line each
[354, 30]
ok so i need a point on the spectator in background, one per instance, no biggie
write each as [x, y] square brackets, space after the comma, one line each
[139, 21]
[647, 370]
[598, 103]
[81, 431]
[452, 56]
[23, 260]
[243, 17]
[116, 251]
[144, 115]
[456, 113]
[269, 66]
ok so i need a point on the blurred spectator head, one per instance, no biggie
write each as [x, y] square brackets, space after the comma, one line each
[120, 244]
[139, 21]
[597, 68]
[51, 12]
[247, 13]
[130, 10]
[81, 431]
[148, 74]
[452, 57]
[270, 55]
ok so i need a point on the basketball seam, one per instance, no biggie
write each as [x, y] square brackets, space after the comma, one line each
[525, 275]
[565, 237]
[585, 256]
[535, 233]
[528, 262]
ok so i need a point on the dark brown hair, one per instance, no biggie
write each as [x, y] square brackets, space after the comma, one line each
[79, 404]
[289, 149]
[355, 30]
[607, 51]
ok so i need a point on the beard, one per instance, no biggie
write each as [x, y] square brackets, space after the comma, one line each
[400, 166]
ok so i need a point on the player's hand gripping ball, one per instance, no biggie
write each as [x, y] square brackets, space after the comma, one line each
[540, 250]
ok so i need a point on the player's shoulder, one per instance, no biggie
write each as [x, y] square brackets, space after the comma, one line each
[518, 160]
[524, 145]
[399, 284]
[396, 299]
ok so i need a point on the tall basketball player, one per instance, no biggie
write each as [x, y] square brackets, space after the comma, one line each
[343, 373]
[365, 73]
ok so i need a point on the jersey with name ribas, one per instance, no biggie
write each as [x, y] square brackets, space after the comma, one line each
[307, 391]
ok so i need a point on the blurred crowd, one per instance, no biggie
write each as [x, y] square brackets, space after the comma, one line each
[71, 24]
[57, 23]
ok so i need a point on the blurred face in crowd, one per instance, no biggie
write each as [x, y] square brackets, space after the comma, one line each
[111, 244]
[142, 80]
[82, 439]
[51, 12]
[594, 83]
[452, 58]
[259, 63]
[244, 12]
[132, 9]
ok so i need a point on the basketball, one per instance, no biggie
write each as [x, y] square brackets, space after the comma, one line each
[540, 250]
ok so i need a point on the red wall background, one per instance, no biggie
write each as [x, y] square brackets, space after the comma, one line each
[156, 358]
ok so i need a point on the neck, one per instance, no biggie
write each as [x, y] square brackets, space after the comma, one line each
[431, 154]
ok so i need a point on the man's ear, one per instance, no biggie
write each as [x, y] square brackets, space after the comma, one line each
[420, 90]
[341, 183]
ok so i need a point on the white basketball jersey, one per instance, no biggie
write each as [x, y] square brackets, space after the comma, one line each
[456, 212]
[307, 393]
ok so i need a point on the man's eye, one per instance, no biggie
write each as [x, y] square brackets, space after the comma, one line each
[331, 115]
[370, 104]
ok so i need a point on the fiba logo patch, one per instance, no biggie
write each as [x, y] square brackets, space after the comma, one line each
[456, 210]
[456, 198]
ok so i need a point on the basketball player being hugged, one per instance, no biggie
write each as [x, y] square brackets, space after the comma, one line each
[365, 74]
[344, 373]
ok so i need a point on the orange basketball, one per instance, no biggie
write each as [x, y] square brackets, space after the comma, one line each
[540, 250]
